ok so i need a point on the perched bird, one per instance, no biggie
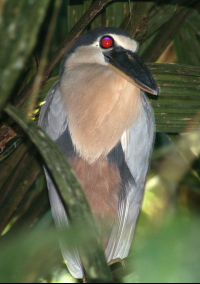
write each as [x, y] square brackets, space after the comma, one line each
[99, 116]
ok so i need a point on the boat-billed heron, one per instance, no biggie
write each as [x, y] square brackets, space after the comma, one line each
[99, 116]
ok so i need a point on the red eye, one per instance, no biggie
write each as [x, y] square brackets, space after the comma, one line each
[107, 42]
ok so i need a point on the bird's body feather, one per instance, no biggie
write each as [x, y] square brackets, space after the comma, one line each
[126, 166]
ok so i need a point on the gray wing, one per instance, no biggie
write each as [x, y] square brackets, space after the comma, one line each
[137, 145]
[53, 120]
[53, 115]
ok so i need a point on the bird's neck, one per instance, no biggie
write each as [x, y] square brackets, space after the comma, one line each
[98, 110]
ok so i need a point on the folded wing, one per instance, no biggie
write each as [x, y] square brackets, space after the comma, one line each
[137, 143]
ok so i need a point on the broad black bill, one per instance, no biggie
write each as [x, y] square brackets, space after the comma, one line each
[132, 68]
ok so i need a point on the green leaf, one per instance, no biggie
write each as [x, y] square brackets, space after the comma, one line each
[178, 104]
[159, 42]
[186, 42]
[163, 24]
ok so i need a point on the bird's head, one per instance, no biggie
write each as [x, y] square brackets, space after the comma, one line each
[114, 48]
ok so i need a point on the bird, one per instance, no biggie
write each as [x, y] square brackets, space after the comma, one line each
[99, 116]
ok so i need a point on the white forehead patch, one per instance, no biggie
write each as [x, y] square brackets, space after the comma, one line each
[123, 41]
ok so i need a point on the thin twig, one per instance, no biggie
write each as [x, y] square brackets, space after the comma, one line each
[43, 62]
[130, 12]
